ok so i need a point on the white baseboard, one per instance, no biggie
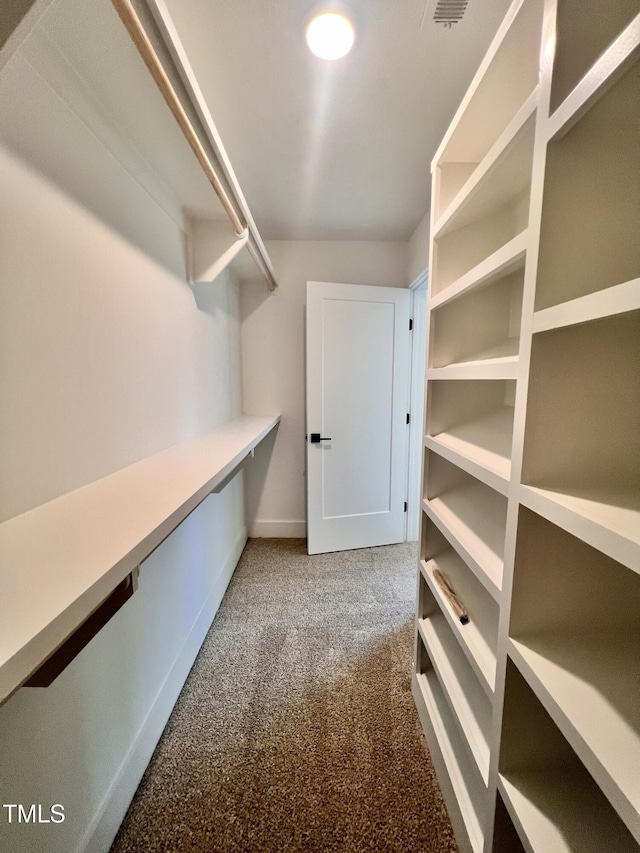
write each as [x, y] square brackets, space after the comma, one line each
[278, 530]
[105, 824]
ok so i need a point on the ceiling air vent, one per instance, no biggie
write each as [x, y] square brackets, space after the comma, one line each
[449, 12]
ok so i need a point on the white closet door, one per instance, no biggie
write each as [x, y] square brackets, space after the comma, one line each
[357, 433]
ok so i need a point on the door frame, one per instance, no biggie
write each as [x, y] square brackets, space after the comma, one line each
[419, 291]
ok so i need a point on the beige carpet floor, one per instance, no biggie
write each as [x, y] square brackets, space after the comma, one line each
[296, 729]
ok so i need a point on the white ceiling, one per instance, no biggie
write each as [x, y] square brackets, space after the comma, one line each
[333, 150]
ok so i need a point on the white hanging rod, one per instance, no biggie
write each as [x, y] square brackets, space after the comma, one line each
[141, 39]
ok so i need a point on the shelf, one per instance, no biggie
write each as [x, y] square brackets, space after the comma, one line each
[478, 334]
[589, 684]
[472, 517]
[498, 184]
[505, 80]
[574, 634]
[478, 638]
[591, 202]
[552, 810]
[606, 519]
[619, 299]
[582, 448]
[462, 775]
[467, 701]
[502, 176]
[481, 550]
[553, 801]
[485, 442]
[75, 550]
[457, 252]
[592, 40]
[488, 368]
[506, 260]
[499, 362]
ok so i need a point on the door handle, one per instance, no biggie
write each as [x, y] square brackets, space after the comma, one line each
[315, 438]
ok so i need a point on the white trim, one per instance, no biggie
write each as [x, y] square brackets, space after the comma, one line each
[270, 529]
[420, 280]
[419, 289]
[106, 822]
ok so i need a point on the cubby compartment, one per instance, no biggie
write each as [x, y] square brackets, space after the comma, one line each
[509, 258]
[471, 423]
[467, 786]
[575, 633]
[507, 78]
[584, 30]
[458, 252]
[591, 203]
[498, 182]
[553, 801]
[480, 330]
[582, 441]
[505, 835]
[478, 637]
[471, 515]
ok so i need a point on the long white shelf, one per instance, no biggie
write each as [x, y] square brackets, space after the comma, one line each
[489, 368]
[610, 521]
[469, 793]
[479, 636]
[472, 519]
[499, 362]
[589, 684]
[468, 702]
[502, 262]
[503, 172]
[485, 442]
[619, 299]
[557, 811]
[75, 550]
[601, 76]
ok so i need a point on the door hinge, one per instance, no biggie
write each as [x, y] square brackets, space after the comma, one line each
[410, 325]
[405, 506]
[408, 418]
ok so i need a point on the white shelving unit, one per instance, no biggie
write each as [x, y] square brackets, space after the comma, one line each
[531, 496]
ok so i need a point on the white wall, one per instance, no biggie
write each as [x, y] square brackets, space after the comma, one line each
[273, 364]
[105, 358]
[418, 249]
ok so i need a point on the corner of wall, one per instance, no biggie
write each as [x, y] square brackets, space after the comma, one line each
[418, 249]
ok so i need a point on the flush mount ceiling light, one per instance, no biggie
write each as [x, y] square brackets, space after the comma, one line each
[330, 35]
